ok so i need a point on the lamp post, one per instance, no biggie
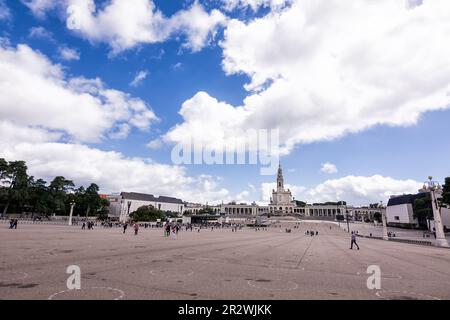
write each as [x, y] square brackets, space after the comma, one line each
[128, 212]
[432, 187]
[348, 225]
[383, 219]
[72, 205]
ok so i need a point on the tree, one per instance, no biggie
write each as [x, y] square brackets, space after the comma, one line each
[59, 187]
[299, 203]
[14, 180]
[146, 213]
[92, 198]
[422, 210]
[377, 216]
[40, 199]
[102, 213]
[446, 192]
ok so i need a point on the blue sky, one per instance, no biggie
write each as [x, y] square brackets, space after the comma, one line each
[375, 154]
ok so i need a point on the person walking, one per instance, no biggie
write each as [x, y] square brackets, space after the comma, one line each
[136, 228]
[353, 241]
[125, 225]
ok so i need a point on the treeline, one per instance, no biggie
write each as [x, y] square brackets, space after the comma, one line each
[21, 193]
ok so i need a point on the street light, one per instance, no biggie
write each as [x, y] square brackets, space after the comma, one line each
[346, 214]
[72, 205]
[432, 187]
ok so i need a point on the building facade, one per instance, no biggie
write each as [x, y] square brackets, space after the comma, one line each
[281, 202]
[127, 202]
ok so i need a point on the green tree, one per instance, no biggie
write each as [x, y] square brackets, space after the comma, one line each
[299, 203]
[59, 188]
[377, 216]
[446, 192]
[422, 210]
[147, 213]
[40, 199]
[14, 180]
[92, 199]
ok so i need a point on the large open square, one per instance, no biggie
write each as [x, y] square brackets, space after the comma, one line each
[218, 264]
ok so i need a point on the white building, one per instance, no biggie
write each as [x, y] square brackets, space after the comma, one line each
[127, 202]
[281, 201]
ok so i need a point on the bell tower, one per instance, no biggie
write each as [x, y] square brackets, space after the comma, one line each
[280, 180]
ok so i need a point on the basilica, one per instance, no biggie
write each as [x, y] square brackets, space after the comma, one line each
[281, 202]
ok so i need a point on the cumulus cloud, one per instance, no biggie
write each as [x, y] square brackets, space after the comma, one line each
[40, 7]
[111, 170]
[41, 33]
[254, 4]
[69, 54]
[360, 190]
[332, 68]
[34, 92]
[154, 144]
[125, 24]
[139, 77]
[328, 167]
[356, 190]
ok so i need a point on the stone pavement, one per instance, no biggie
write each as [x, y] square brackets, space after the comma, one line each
[217, 264]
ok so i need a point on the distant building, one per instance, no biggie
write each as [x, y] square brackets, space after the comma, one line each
[281, 202]
[122, 205]
[399, 211]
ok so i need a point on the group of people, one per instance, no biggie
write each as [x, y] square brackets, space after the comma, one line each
[171, 229]
[311, 233]
[89, 224]
[13, 223]
[135, 228]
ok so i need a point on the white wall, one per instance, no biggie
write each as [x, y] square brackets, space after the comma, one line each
[135, 204]
[403, 211]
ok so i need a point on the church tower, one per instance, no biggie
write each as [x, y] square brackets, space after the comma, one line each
[281, 202]
[280, 180]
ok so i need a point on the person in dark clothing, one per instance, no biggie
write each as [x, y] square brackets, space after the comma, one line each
[125, 225]
[353, 241]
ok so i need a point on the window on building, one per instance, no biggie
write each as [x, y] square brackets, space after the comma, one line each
[397, 218]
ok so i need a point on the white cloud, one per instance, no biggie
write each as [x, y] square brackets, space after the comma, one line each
[69, 54]
[255, 4]
[40, 7]
[177, 66]
[5, 12]
[328, 167]
[360, 190]
[121, 132]
[36, 93]
[139, 77]
[198, 25]
[325, 68]
[356, 190]
[40, 33]
[155, 144]
[111, 170]
[125, 24]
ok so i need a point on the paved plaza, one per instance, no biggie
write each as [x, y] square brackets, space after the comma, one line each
[218, 264]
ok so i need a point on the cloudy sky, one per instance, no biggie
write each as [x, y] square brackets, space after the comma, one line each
[102, 91]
